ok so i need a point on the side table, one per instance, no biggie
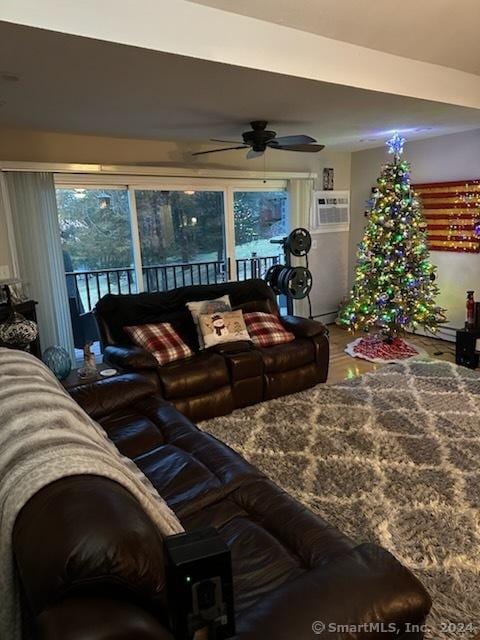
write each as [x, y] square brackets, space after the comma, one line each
[74, 380]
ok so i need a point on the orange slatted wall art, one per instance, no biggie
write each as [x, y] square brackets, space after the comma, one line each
[452, 212]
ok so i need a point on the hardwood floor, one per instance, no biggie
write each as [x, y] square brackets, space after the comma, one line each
[343, 366]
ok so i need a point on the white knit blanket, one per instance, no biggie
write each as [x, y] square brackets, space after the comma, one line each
[44, 436]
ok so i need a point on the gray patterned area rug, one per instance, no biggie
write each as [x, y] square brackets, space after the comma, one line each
[392, 457]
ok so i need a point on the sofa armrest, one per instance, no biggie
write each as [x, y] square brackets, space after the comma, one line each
[97, 618]
[303, 327]
[101, 397]
[92, 537]
[130, 358]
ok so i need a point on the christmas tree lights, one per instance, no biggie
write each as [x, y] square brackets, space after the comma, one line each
[394, 286]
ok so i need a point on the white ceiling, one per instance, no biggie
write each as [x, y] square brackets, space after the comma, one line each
[443, 32]
[79, 85]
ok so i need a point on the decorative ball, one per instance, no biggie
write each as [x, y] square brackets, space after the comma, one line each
[58, 360]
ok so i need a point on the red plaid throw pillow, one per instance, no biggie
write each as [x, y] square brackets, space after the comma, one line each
[265, 329]
[161, 340]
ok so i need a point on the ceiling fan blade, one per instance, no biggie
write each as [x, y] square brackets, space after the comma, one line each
[254, 154]
[228, 141]
[201, 153]
[283, 140]
[307, 148]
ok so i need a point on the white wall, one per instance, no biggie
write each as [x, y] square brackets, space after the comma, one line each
[328, 264]
[451, 157]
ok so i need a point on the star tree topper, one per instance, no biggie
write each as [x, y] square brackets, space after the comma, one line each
[395, 144]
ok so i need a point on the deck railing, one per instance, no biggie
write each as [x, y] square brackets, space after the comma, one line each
[89, 286]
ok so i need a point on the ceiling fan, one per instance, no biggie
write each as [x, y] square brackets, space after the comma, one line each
[258, 139]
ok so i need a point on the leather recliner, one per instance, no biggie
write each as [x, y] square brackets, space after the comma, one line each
[215, 381]
[91, 562]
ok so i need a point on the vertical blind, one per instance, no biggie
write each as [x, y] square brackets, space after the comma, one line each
[39, 252]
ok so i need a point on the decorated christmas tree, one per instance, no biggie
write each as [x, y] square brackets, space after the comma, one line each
[394, 285]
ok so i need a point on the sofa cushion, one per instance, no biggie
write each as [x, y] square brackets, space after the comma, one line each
[267, 547]
[264, 306]
[266, 330]
[285, 357]
[188, 467]
[206, 405]
[161, 340]
[132, 432]
[177, 430]
[192, 469]
[178, 476]
[200, 374]
[244, 364]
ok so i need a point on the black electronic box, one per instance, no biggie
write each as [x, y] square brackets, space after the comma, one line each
[199, 585]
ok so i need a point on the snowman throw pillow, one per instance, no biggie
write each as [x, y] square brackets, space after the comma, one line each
[222, 326]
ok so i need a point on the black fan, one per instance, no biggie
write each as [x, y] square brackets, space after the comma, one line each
[259, 139]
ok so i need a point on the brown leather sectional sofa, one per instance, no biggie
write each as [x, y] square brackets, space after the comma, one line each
[217, 380]
[91, 563]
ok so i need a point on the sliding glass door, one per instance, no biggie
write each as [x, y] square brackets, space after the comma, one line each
[95, 229]
[260, 216]
[182, 237]
[97, 243]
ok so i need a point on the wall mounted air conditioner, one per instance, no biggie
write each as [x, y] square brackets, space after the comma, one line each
[330, 211]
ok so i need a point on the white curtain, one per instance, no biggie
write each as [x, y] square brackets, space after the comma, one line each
[39, 253]
[300, 198]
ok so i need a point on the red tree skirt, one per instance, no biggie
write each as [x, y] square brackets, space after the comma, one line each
[374, 349]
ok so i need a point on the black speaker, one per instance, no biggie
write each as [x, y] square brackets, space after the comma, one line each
[465, 348]
[477, 315]
[199, 585]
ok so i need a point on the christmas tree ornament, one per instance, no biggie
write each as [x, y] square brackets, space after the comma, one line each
[394, 284]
